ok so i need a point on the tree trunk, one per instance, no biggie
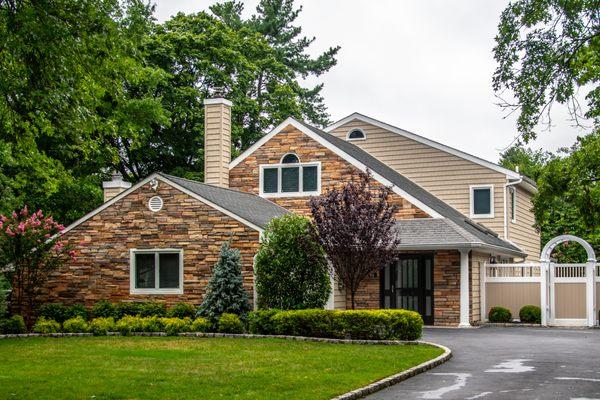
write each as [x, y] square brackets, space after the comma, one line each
[352, 293]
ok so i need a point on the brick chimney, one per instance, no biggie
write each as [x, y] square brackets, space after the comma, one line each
[217, 141]
[114, 186]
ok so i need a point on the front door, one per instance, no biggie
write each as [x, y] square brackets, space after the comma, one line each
[408, 284]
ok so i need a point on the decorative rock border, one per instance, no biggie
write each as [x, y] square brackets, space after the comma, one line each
[513, 325]
[354, 394]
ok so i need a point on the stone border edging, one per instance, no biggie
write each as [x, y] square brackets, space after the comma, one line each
[399, 377]
[513, 325]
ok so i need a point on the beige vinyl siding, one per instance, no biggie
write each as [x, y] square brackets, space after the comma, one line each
[445, 175]
[217, 144]
[522, 232]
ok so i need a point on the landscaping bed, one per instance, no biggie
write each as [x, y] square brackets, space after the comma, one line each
[180, 367]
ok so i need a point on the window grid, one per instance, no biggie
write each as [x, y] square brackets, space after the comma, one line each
[300, 191]
[156, 289]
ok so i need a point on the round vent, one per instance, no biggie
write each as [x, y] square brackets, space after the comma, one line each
[155, 203]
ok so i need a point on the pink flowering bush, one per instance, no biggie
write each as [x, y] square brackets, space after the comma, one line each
[30, 248]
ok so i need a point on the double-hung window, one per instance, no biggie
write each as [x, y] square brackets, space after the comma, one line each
[482, 201]
[290, 178]
[156, 271]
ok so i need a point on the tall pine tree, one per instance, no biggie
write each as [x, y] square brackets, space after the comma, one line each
[225, 291]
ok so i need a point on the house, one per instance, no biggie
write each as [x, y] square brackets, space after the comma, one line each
[159, 238]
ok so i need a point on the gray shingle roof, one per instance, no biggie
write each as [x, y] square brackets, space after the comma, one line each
[250, 207]
[465, 227]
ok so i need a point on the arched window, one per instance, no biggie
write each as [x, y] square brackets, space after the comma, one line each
[290, 158]
[356, 134]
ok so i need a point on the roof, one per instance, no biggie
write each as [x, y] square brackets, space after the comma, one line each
[250, 207]
[472, 232]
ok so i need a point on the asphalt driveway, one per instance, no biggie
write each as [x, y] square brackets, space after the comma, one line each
[509, 363]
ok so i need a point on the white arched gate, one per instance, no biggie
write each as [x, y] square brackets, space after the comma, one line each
[568, 291]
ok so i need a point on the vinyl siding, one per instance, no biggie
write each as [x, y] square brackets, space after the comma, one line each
[445, 175]
[522, 231]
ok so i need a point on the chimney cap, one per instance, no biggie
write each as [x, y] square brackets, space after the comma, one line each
[116, 182]
[218, 100]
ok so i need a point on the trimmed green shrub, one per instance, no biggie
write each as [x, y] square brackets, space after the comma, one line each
[43, 325]
[104, 309]
[261, 322]
[201, 325]
[60, 313]
[499, 314]
[173, 326]
[530, 314]
[129, 324]
[153, 309]
[75, 325]
[152, 324]
[101, 326]
[405, 325]
[316, 323]
[230, 323]
[127, 308]
[225, 291]
[291, 269]
[13, 325]
[182, 310]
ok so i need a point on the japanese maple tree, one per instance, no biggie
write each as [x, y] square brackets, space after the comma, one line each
[30, 249]
[355, 226]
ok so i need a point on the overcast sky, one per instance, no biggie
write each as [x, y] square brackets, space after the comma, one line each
[424, 66]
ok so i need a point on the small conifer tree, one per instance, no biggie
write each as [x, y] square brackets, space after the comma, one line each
[225, 291]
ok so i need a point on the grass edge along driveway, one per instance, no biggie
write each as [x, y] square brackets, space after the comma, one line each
[189, 368]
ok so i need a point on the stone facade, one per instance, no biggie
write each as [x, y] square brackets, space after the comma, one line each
[334, 171]
[103, 243]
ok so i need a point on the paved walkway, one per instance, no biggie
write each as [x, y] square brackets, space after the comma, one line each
[509, 363]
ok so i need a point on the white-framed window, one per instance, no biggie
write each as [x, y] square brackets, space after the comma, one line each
[512, 198]
[156, 271]
[356, 134]
[290, 178]
[482, 201]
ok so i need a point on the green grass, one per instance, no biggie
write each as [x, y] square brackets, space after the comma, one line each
[192, 368]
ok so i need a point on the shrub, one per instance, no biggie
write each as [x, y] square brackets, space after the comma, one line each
[13, 325]
[261, 322]
[225, 291]
[101, 326]
[151, 324]
[230, 323]
[317, 323]
[75, 325]
[182, 310]
[103, 309]
[530, 314]
[291, 269]
[127, 308]
[152, 309]
[4, 288]
[129, 324]
[201, 325]
[404, 324]
[173, 326]
[43, 325]
[60, 313]
[499, 314]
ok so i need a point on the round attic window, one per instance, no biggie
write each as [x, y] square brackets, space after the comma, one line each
[356, 134]
[155, 203]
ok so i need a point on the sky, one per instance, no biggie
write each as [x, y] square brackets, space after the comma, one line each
[423, 66]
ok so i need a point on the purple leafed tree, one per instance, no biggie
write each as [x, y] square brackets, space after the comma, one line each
[355, 226]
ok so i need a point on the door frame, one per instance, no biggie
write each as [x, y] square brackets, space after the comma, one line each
[422, 293]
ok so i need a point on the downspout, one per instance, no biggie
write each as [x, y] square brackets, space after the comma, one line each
[506, 206]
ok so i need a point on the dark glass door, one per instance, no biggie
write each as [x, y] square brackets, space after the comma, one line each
[408, 284]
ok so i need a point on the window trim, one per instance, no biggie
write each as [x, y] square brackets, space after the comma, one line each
[155, 290]
[513, 199]
[287, 154]
[356, 139]
[300, 180]
[472, 203]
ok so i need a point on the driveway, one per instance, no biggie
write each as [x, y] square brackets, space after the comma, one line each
[509, 363]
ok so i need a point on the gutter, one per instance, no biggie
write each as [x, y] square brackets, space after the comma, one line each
[465, 245]
[513, 183]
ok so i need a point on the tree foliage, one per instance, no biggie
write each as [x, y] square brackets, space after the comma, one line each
[291, 268]
[356, 227]
[30, 249]
[545, 52]
[568, 198]
[87, 87]
[225, 292]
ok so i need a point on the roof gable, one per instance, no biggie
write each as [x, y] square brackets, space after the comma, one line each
[251, 210]
[423, 140]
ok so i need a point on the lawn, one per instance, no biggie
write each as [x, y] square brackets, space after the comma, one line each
[194, 368]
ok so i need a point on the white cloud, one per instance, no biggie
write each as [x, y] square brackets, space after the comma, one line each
[425, 66]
